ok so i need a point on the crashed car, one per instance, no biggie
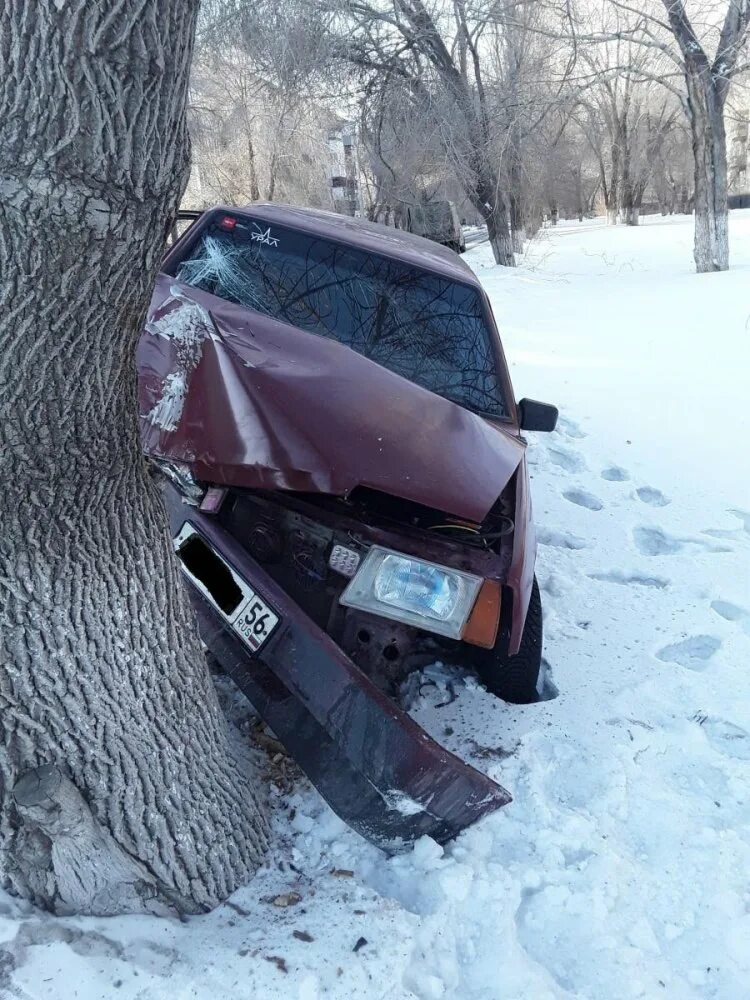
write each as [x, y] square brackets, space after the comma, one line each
[348, 492]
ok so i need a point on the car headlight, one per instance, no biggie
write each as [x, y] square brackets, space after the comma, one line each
[432, 597]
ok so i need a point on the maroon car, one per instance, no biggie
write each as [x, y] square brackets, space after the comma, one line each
[349, 493]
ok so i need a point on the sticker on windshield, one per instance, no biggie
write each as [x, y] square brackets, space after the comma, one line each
[263, 236]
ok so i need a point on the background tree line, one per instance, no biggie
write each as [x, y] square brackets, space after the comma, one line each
[518, 110]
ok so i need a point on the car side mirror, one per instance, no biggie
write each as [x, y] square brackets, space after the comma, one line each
[536, 416]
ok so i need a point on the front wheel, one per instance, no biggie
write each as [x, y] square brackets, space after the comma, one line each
[514, 678]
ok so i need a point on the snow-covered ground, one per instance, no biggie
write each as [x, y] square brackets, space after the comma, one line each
[621, 868]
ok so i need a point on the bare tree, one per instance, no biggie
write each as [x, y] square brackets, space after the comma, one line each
[437, 53]
[707, 83]
[672, 171]
[121, 786]
[250, 139]
[531, 107]
[681, 61]
[406, 159]
[566, 172]
[258, 116]
[645, 134]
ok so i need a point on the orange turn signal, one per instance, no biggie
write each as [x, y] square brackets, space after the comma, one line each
[484, 620]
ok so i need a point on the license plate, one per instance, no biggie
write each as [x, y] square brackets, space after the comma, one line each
[231, 595]
[255, 622]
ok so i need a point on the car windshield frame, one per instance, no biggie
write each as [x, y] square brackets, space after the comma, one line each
[183, 251]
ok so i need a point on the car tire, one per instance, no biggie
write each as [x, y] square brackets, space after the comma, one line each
[515, 678]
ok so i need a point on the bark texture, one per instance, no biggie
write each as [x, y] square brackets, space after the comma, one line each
[500, 238]
[121, 786]
[706, 114]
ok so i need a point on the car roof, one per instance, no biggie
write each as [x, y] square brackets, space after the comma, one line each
[369, 236]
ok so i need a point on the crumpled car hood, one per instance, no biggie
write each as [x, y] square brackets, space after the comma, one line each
[247, 401]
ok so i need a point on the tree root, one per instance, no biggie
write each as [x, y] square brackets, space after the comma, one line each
[70, 863]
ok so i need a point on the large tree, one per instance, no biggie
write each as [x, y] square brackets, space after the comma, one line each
[121, 786]
[706, 81]
[695, 49]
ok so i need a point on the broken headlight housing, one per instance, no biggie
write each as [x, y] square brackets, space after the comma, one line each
[424, 594]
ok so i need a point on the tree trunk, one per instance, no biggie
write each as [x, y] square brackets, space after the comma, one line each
[271, 190]
[629, 209]
[515, 198]
[516, 224]
[612, 197]
[252, 169]
[578, 184]
[121, 785]
[631, 215]
[498, 231]
[706, 113]
[533, 223]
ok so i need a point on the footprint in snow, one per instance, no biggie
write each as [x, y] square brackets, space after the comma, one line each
[559, 539]
[615, 474]
[733, 533]
[656, 542]
[569, 428]
[652, 496]
[732, 613]
[545, 686]
[693, 652]
[631, 579]
[726, 737]
[565, 459]
[583, 499]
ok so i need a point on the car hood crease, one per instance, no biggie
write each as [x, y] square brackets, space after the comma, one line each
[264, 405]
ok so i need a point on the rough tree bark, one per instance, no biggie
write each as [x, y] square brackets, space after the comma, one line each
[121, 787]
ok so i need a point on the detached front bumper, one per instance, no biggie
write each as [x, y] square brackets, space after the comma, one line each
[377, 769]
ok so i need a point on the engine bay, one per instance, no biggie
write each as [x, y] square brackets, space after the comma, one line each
[293, 536]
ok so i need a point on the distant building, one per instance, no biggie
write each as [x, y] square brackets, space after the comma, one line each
[344, 170]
